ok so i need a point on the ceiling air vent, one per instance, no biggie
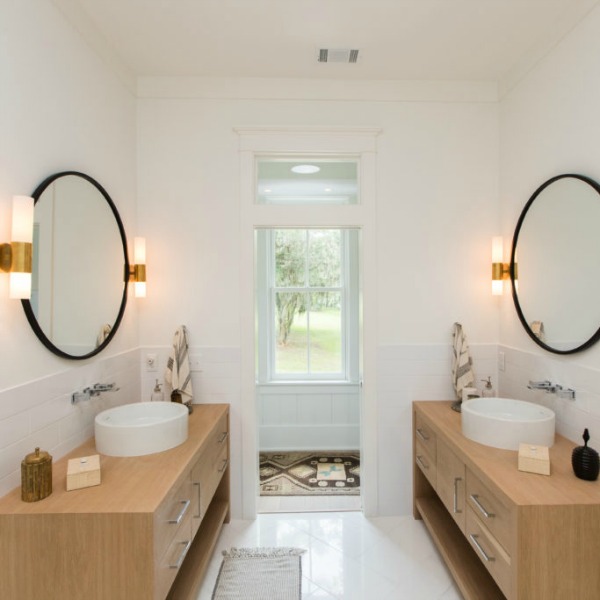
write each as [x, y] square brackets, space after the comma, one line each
[338, 56]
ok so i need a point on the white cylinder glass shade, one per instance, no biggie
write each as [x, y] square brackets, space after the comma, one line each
[22, 219]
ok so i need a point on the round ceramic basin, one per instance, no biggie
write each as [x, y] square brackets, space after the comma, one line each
[506, 423]
[141, 428]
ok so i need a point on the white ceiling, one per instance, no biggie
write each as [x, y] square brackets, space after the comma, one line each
[461, 40]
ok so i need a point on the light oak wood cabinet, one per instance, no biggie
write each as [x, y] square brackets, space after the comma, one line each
[504, 533]
[146, 533]
[451, 483]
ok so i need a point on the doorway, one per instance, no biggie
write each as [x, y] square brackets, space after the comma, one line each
[308, 369]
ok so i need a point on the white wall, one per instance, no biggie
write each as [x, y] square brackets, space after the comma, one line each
[549, 125]
[436, 209]
[60, 108]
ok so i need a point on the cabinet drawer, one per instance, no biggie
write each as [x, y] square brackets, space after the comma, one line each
[492, 555]
[426, 463]
[493, 514]
[168, 566]
[208, 470]
[170, 516]
[218, 439]
[425, 435]
[211, 476]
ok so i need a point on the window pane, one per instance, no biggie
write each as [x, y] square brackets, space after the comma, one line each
[290, 257]
[325, 318]
[307, 181]
[324, 258]
[291, 331]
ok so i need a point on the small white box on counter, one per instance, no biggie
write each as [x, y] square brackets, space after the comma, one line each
[534, 459]
[83, 472]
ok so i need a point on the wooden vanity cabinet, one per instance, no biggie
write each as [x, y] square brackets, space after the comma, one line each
[504, 533]
[147, 532]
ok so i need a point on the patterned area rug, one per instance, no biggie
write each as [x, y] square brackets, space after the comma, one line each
[314, 473]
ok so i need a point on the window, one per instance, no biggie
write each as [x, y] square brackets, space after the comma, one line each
[306, 180]
[308, 304]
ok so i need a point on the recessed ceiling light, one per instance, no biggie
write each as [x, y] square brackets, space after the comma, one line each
[327, 189]
[305, 169]
[267, 191]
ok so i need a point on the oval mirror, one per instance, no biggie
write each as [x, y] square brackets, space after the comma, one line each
[79, 288]
[555, 262]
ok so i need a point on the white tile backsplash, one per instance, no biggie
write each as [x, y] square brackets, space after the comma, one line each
[40, 413]
[572, 416]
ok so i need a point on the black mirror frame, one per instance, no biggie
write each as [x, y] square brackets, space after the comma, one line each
[596, 336]
[27, 304]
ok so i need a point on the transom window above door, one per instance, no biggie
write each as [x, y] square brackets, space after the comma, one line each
[307, 180]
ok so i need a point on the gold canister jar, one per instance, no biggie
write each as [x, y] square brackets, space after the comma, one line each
[36, 476]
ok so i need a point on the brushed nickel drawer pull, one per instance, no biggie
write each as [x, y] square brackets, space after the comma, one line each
[484, 512]
[456, 480]
[177, 519]
[198, 486]
[223, 437]
[186, 546]
[422, 435]
[224, 466]
[422, 462]
[483, 553]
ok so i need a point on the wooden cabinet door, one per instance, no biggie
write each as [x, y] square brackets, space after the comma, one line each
[451, 482]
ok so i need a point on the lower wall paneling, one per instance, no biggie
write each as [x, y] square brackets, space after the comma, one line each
[309, 417]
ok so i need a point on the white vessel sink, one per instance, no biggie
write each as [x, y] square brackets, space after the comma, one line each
[141, 428]
[506, 423]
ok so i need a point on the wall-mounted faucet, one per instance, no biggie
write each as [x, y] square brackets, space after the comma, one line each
[552, 388]
[94, 390]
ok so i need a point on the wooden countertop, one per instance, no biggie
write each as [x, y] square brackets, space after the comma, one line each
[120, 490]
[499, 467]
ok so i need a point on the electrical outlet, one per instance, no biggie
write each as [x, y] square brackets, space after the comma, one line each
[501, 362]
[151, 362]
[196, 362]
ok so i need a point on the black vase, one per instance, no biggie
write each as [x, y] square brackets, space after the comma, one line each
[585, 461]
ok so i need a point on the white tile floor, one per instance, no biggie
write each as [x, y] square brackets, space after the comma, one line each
[347, 555]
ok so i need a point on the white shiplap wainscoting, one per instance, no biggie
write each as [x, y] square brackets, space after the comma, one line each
[40, 413]
[308, 416]
[405, 373]
[572, 416]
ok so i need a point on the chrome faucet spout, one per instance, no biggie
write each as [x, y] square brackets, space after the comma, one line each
[540, 385]
[94, 390]
[552, 388]
[104, 387]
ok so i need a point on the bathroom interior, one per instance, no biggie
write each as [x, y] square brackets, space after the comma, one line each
[455, 115]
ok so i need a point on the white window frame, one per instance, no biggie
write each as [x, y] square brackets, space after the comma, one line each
[311, 157]
[266, 290]
[361, 141]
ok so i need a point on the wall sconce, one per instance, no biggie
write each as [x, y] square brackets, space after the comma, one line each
[137, 271]
[500, 269]
[16, 256]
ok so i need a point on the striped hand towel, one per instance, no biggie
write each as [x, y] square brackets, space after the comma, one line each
[177, 373]
[462, 371]
[103, 334]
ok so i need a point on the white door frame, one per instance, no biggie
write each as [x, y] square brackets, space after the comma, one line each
[359, 142]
